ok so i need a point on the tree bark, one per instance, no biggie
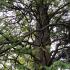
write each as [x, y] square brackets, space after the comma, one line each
[42, 37]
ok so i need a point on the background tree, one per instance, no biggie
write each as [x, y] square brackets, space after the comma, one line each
[28, 30]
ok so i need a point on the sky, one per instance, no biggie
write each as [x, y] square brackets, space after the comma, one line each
[11, 14]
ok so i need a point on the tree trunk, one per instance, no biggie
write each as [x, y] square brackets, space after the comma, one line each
[42, 37]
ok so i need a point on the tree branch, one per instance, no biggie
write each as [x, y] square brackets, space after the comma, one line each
[59, 8]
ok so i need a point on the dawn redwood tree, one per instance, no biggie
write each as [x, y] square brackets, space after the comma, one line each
[28, 30]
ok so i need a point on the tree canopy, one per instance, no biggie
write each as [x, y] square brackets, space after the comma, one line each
[34, 34]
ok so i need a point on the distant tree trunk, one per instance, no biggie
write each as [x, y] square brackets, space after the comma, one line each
[43, 37]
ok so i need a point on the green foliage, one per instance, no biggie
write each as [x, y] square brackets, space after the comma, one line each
[22, 67]
[56, 65]
[17, 39]
[3, 3]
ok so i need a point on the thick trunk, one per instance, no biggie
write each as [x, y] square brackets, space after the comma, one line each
[42, 37]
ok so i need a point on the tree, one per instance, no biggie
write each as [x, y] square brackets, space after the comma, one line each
[29, 28]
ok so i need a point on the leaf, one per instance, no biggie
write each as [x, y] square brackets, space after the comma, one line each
[21, 60]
